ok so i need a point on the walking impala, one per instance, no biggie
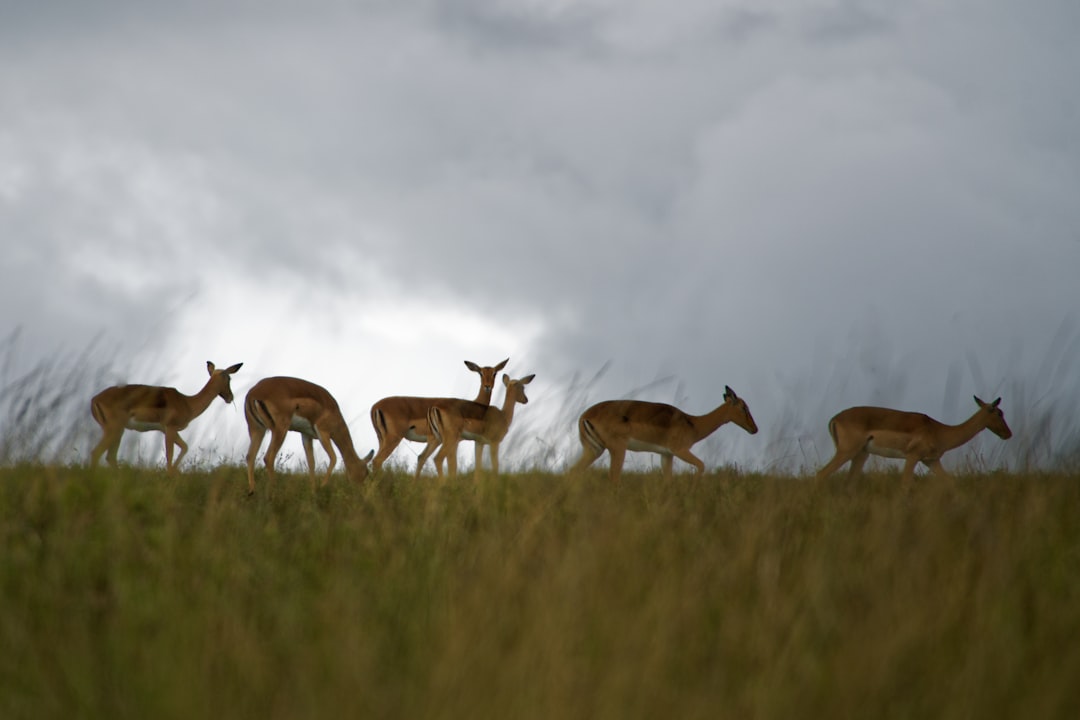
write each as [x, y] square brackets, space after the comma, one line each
[452, 421]
[150, 407]
[281, 404]
[621, 425]
[406, 418]
[859, 432]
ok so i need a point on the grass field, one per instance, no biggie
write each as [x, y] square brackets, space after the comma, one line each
[129, 594]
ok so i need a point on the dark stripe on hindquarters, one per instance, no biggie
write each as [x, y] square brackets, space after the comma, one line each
[435, 422]
[261, 414]
[378, 421]
[589, 431]
[97, 413]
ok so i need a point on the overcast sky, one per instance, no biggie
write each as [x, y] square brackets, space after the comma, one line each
[820, 203]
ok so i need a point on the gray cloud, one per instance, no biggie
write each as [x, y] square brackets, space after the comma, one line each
[745, 193]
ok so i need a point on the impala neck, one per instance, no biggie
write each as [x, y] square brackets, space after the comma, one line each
[343, 439]
[484, 396]
[953, 436]
[705, 425]
[202, 399]
[507, 415]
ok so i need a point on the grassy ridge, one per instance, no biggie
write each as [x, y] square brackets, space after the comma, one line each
[130, 595]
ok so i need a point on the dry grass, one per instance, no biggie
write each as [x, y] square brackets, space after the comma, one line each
[130, 594]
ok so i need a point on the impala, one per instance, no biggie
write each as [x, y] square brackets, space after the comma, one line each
[150, 407]
[406, 418]
[621, 425]
[859, 432]
[452, 421]
[281, 404]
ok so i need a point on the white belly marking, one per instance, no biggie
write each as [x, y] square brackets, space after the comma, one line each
[884, 450]
[639, 446]
[411, 434]
[303, 426]
[144, 426]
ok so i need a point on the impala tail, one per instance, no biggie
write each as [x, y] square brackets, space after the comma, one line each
[256, 410]
[378, 421]
[97, 412]
[435, 422]
[588, 434]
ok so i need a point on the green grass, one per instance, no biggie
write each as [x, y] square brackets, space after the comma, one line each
[129, 594]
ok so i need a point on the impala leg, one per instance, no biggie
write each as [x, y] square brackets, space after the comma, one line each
[909, 467]
[110, 441]
[255, 438]
[687, 456]
[112, 457]
[433, 443]
[438, 463]
[835, 464]
[857, 463]
[618, 456]
[666, 461]
[183, 450]
[387, 445]
[478, 451]
[589, 454]
[309, 453]
[277, 437]
[936, 468]
[447, 452]
[329, 448]
[170, 442]
[493, 450]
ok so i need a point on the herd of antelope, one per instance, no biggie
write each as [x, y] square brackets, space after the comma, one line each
[281, 404]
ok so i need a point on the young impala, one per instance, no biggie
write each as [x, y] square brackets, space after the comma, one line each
[406, 418]
[281, 404]
[860, 432]
[452, 421]
[621, 425]
[150, 407]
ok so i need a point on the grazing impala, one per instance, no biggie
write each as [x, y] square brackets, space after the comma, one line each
[621, 425]
[452, 421]
[859, 432]
[149, 407]
[281, 404]
[406, 418]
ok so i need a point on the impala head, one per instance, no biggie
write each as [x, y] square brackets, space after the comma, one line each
[221, 378]
[742, 416]
[356, 468]
[995, 420]
[516, 388]
[487, 374]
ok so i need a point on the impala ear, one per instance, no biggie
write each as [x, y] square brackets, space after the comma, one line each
[506, 380]
[527, 379]
[367, 458]
[978, 401]
[729, 394]
[472, 366]
[209, 367]
[233, 368]
[501, 365]
[995, 403]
